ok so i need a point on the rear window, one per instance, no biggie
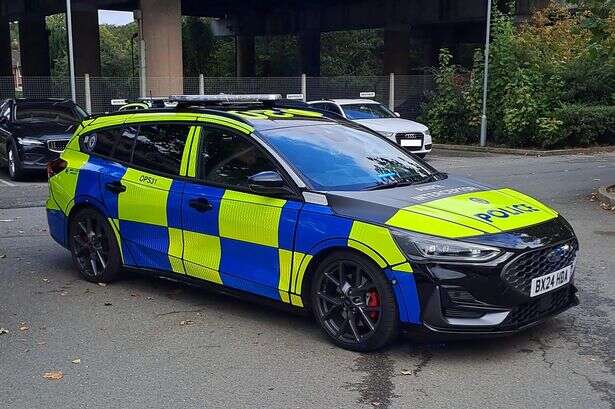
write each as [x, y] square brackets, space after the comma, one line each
[160, 147]
[101, 142]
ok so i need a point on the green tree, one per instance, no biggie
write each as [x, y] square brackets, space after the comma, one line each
[197, 46]
[356, 52]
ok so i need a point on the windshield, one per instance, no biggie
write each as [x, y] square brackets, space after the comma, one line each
[366, 111]
[338, 157]
[57, 112]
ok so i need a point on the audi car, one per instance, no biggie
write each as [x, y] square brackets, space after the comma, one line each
[34, 132]
[309, 211]
[410, 135]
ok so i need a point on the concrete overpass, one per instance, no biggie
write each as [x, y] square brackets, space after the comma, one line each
[432, 24]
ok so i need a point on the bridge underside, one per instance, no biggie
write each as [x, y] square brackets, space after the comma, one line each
[407, 25]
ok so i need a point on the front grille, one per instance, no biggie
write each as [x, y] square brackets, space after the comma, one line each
[520, 272]
[57, 145]
[535, 310]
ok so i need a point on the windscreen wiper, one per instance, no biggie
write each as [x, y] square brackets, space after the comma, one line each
[391, 185]
[434, 177]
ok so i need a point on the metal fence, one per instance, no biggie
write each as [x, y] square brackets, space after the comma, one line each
[403, 93]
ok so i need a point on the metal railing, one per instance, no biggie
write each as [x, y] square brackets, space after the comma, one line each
[402, 93]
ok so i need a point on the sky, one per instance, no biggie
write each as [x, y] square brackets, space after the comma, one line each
[118, 18]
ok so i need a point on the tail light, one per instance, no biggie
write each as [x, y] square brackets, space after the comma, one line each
[56, 166]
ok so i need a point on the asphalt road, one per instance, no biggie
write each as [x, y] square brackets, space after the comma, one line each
[134, 351]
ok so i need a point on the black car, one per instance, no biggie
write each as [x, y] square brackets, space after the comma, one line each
[34, 132]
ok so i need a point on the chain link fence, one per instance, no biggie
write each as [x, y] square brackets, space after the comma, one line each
[404, 93]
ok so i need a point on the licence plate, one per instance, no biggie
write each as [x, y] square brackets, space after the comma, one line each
[551, 281]
[411, 142]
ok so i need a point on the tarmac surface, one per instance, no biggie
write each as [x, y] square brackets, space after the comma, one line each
[149, 343]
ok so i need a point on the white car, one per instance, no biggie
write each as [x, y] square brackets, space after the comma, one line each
[410, 135]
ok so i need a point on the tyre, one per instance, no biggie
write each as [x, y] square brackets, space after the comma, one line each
[354, 303]
[94, 247]
[14, 164]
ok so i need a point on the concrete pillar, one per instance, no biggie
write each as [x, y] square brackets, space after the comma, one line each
[309, 52]
[7, 86]
[245, 65]
[162, 32]
[86, 39]
[34, 47]
[34, 51]
[397, 50]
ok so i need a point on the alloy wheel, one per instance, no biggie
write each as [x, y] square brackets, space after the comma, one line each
[90, 246]
[349, 302]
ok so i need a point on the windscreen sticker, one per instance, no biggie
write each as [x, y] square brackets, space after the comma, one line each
[433, 192]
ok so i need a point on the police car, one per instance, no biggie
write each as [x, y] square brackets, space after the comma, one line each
[410, 135]
[315, 212]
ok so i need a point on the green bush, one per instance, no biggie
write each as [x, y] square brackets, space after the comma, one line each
[551, 81]
[583, 125]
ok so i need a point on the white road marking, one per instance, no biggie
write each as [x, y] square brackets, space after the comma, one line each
[7, 183]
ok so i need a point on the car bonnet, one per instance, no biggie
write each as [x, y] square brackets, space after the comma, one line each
[453, 208]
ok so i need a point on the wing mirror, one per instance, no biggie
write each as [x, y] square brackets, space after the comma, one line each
[268, 182]
[397, 114]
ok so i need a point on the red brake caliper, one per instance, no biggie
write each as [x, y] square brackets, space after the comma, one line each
[373, 301]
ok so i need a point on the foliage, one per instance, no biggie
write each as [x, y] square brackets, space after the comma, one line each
[115, 50]
[56, 25]
[585, 125]
[357, 52]
[196, 30]
[277, 56]
[561, 56]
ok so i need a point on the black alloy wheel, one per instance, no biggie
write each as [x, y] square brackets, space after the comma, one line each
[94, 247]
[354, 303]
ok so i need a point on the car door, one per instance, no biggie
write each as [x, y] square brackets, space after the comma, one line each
[233, 236]
[142, 194]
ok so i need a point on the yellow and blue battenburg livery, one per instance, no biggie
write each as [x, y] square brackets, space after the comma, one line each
[440, 242]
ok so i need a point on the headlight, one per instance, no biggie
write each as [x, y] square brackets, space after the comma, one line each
[28, 141]
[421, 248]
[389, 135]
[427, 132]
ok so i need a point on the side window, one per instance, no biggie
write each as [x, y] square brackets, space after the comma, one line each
[159, 147]
[230, 159]
[101, 142]
[125, 144]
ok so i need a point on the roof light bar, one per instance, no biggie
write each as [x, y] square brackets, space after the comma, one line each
[221, 98]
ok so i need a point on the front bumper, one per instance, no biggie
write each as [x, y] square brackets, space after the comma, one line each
[36, 157]
[493, 324]
[492, 299]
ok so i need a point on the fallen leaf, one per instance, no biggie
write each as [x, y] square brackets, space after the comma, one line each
[3, 331]
[63, 293]
[2, 255]
[135, 295]
[76, 361]
[102, 284]
[23, 327]
[46, 280]
[406, 372]
[150, 298]
[53, 375]
[186, 322]
[108, 304]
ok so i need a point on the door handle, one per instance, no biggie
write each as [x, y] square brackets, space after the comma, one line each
[115, 187]
[200, 204]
